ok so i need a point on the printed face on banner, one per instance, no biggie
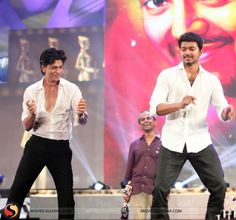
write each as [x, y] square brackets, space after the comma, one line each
[164, 21]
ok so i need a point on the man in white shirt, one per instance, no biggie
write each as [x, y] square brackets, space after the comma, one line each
[184, 93]
[49, 106]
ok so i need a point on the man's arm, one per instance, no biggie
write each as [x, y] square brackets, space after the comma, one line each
[158, 101]
[129, 165]
[29, 121]
[167, 108]
[128, 175]
[82, 115]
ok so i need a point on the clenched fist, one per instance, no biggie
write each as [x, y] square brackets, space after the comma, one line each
[31, 105]
[81, 107]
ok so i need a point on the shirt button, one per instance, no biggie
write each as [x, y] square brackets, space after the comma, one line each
[147, 158]
[144, 177]
[145, 167]
[142, 185]
[149, 149]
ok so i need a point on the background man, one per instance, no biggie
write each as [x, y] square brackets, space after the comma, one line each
[140, 170]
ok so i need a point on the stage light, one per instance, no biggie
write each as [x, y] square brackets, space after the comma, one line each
[99, 186]
[1, 178]
[180, 185]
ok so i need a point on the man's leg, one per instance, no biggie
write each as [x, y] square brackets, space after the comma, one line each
[60, 168]
[169, 165]
[138, 206]
[208, 167]
[148, 205]
[29, 168]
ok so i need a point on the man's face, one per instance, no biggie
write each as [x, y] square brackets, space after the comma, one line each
[215, 20]
[147, 122]
[52, 72]
[189, 53]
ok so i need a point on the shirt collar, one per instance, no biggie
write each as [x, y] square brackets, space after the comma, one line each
[40, 85]
[180, 66]
[156, 136]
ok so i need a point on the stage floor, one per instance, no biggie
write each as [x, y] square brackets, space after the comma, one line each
[184, 204]
[187, 203]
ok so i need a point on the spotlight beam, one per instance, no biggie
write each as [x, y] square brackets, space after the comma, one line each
[80, 155]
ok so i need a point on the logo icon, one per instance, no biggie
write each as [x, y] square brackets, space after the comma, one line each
[11, 211]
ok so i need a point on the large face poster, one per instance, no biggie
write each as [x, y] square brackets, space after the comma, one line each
[141, 40]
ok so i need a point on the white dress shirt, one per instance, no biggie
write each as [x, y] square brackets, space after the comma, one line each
[57, 124]
[187, 126]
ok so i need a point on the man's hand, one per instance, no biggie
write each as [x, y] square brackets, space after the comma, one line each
[127, 192]
[31, 105]
[187, 100]
[127, 198]
[29, 121]
[81, 107]
[228, 113]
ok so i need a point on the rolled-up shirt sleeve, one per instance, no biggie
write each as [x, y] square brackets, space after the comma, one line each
[160, 92]
[28, 95]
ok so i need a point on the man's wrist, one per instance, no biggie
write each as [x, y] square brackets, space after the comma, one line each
[82, 118]
[33, 115]
[81, 114]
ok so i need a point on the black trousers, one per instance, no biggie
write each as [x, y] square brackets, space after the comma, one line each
[56, 155]
[208, 167]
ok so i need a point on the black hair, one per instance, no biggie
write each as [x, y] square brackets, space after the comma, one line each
[191, 37]
[50, 55]
[146, 112]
